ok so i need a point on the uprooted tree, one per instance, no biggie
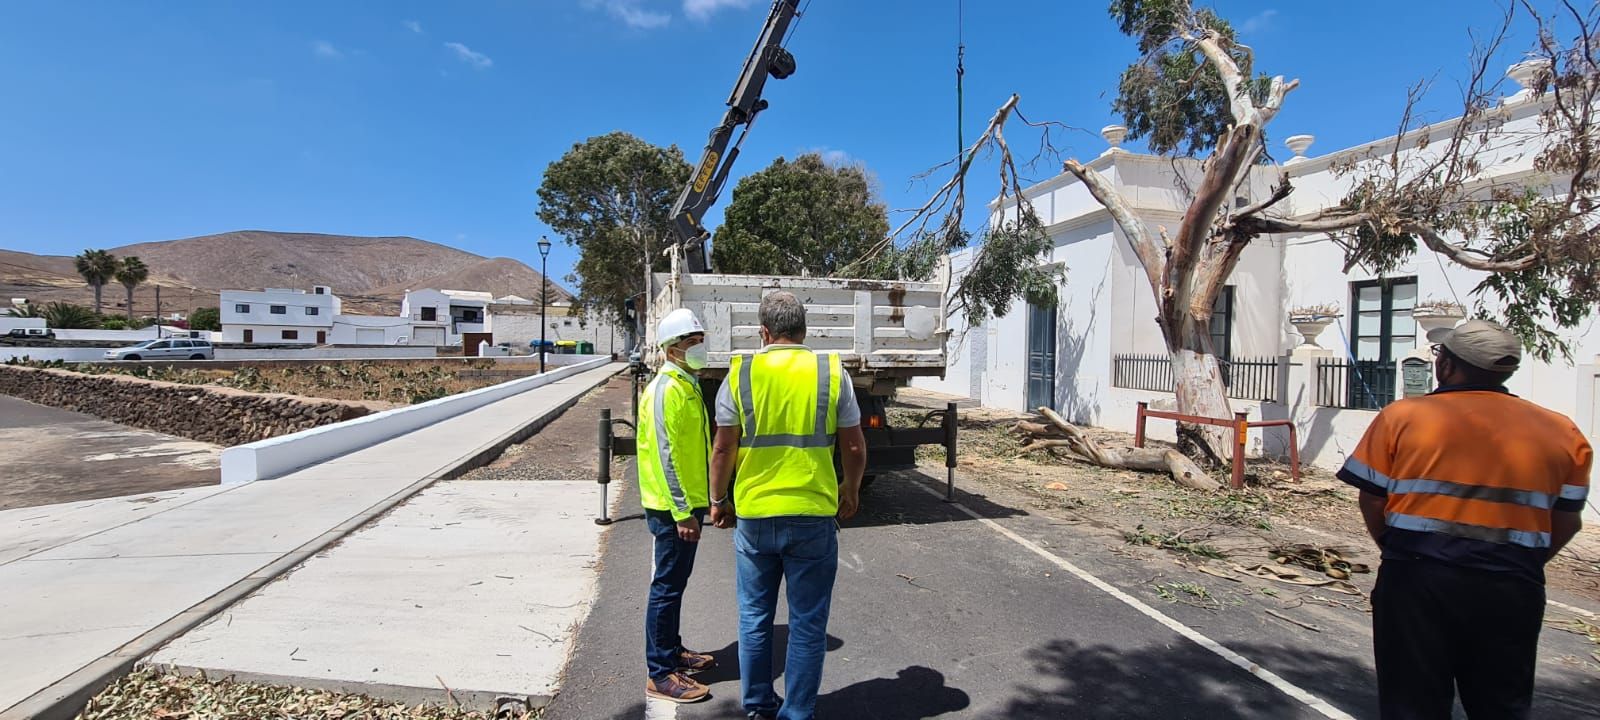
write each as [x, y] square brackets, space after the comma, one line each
[1195, 90]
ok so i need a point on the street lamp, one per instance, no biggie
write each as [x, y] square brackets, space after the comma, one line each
[544, 284]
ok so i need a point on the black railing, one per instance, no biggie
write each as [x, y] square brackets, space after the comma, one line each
[1245, 378]
[1142, 372]
[1251, 378]
[1355, 384]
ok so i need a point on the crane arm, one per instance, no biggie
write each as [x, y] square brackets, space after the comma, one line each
[768, 58]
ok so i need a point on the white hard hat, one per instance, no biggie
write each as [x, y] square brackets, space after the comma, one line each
[677, 325]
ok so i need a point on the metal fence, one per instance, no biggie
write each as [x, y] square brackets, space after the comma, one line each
[1251, 378]
[1142, 372]
[1246, 378]
[1355, 384]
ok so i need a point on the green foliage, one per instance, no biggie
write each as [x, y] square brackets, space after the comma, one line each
[612, 196]
[1173, 97]
[131, 272]
[113, 323]
[206, 318]
[97, 267]
[1006, 266]
[66, 316]
[800, 218]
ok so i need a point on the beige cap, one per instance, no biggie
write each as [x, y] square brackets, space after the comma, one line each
[1482, 344]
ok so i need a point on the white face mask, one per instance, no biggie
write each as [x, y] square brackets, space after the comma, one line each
[695, 357]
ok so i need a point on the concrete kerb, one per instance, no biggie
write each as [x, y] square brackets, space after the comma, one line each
[65, 698]
[279, 456]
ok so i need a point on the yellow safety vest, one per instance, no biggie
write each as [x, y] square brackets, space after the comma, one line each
[674, 444]
[787, 399]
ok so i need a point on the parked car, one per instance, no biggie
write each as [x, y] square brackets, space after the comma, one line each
[33, 333]
[167, 349]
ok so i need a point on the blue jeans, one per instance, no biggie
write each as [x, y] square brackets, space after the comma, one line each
[804, 553]
[674, 563]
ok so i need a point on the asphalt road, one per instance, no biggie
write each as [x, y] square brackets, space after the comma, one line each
[49, 455]
[938, 614]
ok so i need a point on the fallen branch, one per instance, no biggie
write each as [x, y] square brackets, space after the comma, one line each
[1062, 434]
[1286, 618]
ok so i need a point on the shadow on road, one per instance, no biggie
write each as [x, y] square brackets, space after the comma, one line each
[896, 499]
[1099, 681]
[912, 694]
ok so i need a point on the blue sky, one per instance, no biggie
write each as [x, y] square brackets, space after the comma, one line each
[127, 122]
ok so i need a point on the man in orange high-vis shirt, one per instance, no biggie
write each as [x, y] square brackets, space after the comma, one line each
[1468, 491]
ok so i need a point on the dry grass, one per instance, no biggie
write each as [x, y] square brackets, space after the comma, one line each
[151, 695]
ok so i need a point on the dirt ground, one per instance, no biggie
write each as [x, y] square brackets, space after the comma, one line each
[568, 448]
[1233, 533]
[374, 382]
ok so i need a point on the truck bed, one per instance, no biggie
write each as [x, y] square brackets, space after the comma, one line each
[882, 329]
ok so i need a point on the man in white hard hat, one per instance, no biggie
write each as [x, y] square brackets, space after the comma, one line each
[674, 460]
[1468, 491]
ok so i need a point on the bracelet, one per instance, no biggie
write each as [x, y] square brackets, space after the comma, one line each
[720, 503]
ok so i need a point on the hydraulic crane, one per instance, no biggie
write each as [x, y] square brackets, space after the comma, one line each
[768, 58]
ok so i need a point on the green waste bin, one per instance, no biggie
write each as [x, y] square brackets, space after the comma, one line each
[585, 347]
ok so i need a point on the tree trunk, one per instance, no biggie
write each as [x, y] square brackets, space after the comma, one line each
[1197, 383]
[1182, 470]
[97, 288]
[130, 305]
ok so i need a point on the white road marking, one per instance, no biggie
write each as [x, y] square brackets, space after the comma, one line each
[656, 709]
[1286, 687]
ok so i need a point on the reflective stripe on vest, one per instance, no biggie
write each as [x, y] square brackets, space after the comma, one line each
[787, 398]
[665, 483]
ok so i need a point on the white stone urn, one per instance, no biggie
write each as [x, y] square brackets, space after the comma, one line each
[1114, 135]
[1309, 327]
[1526, 74]
[1298, 144]
[1434, 317]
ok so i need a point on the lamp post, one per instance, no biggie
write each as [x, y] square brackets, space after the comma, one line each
[544, 283]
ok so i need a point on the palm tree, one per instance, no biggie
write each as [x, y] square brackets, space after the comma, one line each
[69, 316]
[97, 268]
[132, 271]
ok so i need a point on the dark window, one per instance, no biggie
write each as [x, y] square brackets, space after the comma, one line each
[322, 291]
[280, 309]
[1381, 326]
[241, 308]
[1222, 324]
[312, 310]
[430, 314]
[291, 334]
[249, 336]
[1382, 331]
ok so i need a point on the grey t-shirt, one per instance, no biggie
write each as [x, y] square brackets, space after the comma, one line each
[849, 411]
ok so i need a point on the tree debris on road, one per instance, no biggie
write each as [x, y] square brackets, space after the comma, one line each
[149, 693]
[1060, 434]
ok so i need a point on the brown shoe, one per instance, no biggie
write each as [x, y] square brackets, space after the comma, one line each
[690, 662]
[677, 688]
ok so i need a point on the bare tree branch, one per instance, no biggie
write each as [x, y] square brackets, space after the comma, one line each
[1152, 257]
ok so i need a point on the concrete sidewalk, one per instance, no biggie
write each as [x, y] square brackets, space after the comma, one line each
[95, 586]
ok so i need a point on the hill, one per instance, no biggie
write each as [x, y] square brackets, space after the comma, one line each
[370, 273]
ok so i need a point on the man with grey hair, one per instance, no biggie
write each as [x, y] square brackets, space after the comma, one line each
[779, 416]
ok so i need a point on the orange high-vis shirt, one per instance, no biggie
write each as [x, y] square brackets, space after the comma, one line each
[1470, 477]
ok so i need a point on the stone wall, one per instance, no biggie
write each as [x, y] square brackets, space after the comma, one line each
[223, 416]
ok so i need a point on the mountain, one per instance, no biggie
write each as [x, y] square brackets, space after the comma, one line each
[370, 273]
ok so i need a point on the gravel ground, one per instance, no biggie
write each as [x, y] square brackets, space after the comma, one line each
[565, 450]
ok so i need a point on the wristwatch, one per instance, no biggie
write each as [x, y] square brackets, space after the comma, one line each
[720, 503]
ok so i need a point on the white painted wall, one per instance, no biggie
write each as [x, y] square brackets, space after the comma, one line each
[304, 313]
[370, 330]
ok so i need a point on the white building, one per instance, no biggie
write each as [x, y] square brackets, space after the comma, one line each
[443, 317]
[1098, 353]
[279, 315]
[518, 325]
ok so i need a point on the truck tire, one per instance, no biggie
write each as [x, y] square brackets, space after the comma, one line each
[866, 480]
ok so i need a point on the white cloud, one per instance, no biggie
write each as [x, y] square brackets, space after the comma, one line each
[836, 158]
[470, 56]
[702, 9]
[325, 49]
[1259, 21]
[414, 26]
[630, 13]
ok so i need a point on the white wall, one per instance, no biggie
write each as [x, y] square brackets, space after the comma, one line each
[326, 352]
[370, 330]
[8, 323]
[272, 334]
[122, 337]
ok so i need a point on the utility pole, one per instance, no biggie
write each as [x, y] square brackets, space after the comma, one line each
[158, 312]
